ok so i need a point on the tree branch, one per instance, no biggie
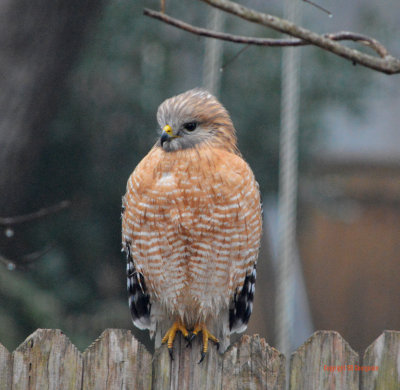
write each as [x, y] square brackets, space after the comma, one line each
[26, 259]
[340, 36]
[363, 39]
[7, 221]
[222, 36]
[8, 263]
[386, 64]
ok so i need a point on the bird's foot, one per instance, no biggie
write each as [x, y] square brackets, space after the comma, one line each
[171, 333]
[206, 336]
[189, 339]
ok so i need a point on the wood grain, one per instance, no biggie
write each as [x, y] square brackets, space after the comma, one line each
[5, 368]
[249, 364]
[116, 360]
[47, 360]
[384, 355]
[323, 362]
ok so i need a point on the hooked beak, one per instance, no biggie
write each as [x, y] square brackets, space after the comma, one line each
[167, 134]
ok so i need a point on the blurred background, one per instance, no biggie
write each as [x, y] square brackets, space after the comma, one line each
[80, 85]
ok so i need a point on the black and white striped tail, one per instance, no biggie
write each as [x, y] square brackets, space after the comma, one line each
[139, 299]
[242, 304]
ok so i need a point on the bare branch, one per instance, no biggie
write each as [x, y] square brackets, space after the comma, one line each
[340, 36]
[388, 64]
[350, 36]
[329, 13]
[33, 256]
[26, 259]
[223, 36]
[223, 67]
[15, 220]
[8, 263]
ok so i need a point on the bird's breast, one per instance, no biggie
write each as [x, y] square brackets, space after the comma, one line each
[194, 224]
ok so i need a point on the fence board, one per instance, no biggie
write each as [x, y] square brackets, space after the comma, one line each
[5, 368]
[252, 364]
[312, 365]
[116, 360]
[383, 353]
[47, 360]
[184, 372]
[249, 364]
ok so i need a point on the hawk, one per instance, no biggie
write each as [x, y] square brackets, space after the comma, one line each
[191, 227]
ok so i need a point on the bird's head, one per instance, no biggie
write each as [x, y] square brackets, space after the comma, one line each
[193, 118]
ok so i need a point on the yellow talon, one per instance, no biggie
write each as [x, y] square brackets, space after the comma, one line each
[171, 333]
[206, 336]
[178, 326]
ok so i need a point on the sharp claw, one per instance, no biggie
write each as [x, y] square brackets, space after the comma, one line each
[217, 344]
[203, 355]
[189, 339]
[169, 336]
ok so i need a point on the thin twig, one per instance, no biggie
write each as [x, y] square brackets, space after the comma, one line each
[223, 36]
[26, 259]
[15, 220]
[340, 36]
[223, 67]
[329, 13]
[367, 41]
[388, 65]
[8, 263]
[33, 256]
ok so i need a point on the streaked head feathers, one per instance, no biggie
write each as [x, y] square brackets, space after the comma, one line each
[194, 118]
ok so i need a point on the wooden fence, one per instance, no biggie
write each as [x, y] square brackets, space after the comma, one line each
[47, 360]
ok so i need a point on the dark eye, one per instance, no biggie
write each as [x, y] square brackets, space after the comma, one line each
[190, 126]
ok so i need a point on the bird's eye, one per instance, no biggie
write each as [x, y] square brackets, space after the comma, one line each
[190, 126]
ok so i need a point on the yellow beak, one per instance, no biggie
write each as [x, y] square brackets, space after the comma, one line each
[168, 129]
[167, 134]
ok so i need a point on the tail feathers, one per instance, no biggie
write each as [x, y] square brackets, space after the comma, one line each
[242, 304]
[139, 299]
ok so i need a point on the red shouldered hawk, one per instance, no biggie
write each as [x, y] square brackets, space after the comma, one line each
[191, 227]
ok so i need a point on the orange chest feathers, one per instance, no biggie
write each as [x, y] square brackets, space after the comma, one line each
[186, 188]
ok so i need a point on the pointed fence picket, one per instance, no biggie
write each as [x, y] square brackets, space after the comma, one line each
[116, 360]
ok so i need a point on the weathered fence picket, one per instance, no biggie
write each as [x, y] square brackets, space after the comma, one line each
[116, 360]
[383, 353]
[249, 364]
[46, 359]
[5, 369]
[323, 362]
